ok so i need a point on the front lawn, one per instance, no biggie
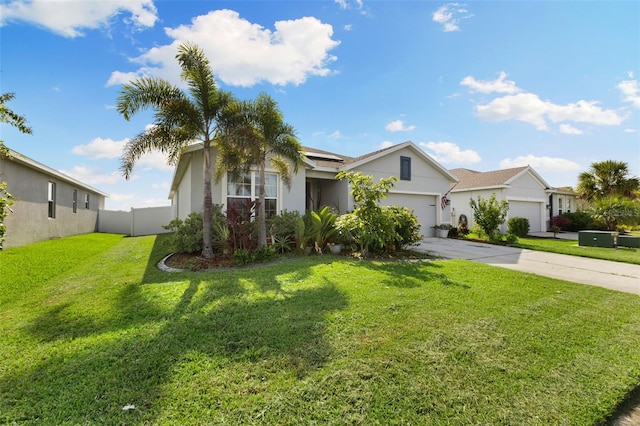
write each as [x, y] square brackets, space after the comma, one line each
[619, 254]
[316, 340]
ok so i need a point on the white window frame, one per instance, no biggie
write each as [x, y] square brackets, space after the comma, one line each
[51, 200]
[254, 189]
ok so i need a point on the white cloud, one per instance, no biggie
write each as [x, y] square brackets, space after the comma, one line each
[345, 4]
[541, 163]
[160, 185]
[348, 27]
[499, 85]
[529, 108]
[243, 53]
[93, 176]
[630, 130]
[385, 144]
[154, 161]
[336, 135]
[631, 92]
[448, 152]
[70, 18]
[449, 16]
[568, 129]
[101, 148]
[398, 126]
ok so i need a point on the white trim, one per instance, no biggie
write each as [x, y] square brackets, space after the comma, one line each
[480, 188]
[414, 193]
[529, 200]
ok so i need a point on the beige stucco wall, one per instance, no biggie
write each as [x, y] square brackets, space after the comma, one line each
[29, 221]
[422, 193]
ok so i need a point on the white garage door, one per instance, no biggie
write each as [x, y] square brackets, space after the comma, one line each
[530, 210]
[423, 206]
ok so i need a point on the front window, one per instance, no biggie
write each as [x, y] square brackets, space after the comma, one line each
[247, 187]
[86, 201]
[560, 200]
[405, 168]
[51, 196]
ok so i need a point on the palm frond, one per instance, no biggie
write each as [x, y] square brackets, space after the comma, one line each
[144, 93]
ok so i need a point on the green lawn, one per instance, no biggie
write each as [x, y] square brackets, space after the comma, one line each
[89, 325]
[620, 254]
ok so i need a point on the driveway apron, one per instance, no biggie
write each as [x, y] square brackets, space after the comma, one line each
[612, 275]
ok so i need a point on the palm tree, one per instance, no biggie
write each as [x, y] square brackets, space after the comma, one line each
[607, 178]
[252, 132]
[180, 119]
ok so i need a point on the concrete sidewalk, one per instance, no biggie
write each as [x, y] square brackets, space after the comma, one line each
[612, 275]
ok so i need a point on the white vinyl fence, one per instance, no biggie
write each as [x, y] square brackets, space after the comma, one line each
[143, 221]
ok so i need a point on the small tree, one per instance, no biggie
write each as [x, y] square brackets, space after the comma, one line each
[559, 222]
[368, 225]
[616, 210]
[489, 214]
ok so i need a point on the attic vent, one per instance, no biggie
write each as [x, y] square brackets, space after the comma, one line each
[323, 157]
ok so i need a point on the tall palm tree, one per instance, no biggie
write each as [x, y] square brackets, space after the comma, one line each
[180, 119]
[252, 133]
[607, 178]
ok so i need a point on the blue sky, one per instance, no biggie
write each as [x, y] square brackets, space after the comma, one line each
[482, 85]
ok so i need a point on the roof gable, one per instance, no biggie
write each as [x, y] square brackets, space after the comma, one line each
[359, 161]
[471, 179]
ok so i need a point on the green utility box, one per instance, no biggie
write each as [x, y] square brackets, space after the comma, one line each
[598, 238]
[628, 241]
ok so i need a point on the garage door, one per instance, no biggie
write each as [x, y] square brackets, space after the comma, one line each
[423, 206]
[530, 210]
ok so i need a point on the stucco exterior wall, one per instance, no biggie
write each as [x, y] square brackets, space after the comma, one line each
[422, 193]
[29, 221]
[460, 202]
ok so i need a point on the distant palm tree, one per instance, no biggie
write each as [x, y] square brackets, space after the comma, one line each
[252, 133]
[607, 178]
[180, 119]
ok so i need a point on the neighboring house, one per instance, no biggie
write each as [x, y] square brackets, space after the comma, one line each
[523, 188]
[421, 183]
[48, 204]
[562, 200]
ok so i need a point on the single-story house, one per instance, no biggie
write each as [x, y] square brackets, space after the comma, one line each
[522, 187]
[422, 182]
[48, 204]
[563, 200]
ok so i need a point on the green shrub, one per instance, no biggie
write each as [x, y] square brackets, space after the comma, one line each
[405, 225]
[284, 224]
[241, 257]
[511, 238]
[323, 226]
[579, 221]
[518, 226]
[264, 254]
[187, 235]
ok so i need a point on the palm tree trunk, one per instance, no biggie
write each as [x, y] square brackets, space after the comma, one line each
[262, 223]
[207, 208]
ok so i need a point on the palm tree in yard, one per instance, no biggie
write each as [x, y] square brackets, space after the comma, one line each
[181, 118]
[253, 132]
[607, 178]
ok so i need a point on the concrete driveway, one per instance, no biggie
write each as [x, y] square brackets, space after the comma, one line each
[613, 275]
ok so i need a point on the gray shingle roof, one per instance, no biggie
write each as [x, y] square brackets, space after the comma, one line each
[468, 179]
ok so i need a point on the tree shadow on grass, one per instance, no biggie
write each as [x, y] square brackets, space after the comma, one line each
[411, 274]
[130, 357]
